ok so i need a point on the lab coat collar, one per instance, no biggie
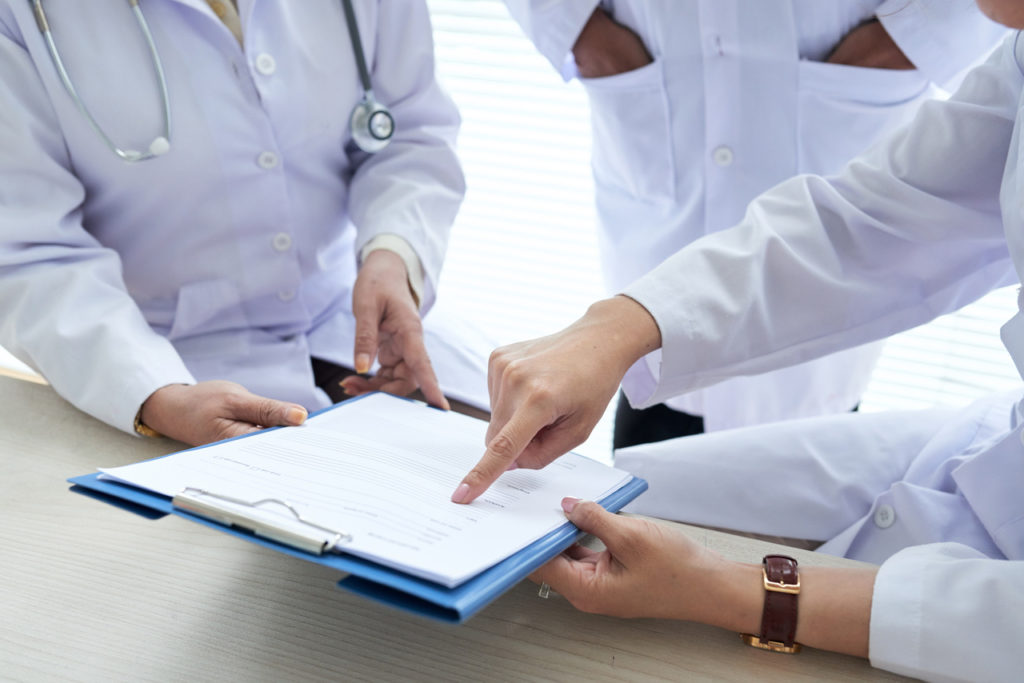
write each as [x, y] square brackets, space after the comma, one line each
[198, 5]
[201, 6]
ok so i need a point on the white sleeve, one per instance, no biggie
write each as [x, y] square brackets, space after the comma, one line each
[65, 309]
[553, 27]
[413, 187]
[945, 612]
[941, 37]
[907, 232]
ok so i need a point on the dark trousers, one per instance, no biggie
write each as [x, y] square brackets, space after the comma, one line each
[657, 423]
[328, 377]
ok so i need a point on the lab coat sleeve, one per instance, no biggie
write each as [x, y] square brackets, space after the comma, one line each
[945, 612]
[65, 310]
[822, 491]
[905, 233]
[553, 27]
[940, 37]
[414, 186]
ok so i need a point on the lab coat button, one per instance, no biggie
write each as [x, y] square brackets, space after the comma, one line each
[885, 516]
[267, 160]
[286, 295]
[282, 241]
[722, 155]
[266, 64]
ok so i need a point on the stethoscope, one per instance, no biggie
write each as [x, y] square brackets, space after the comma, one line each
[371, 123]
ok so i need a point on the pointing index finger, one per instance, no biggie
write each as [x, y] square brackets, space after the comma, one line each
[501, 452]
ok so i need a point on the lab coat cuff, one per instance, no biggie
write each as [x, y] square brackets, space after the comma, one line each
[413, 268]
[668, 371]
[134, 393]
[640, 382]
[920, 596]
[896, 613]
[940, 37]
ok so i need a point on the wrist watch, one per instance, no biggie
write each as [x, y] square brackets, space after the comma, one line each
[778, 621]
[142, 429]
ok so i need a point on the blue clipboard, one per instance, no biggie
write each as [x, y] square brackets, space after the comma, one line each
[372, 580]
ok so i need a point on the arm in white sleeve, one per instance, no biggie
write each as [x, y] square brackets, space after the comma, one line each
[414, 186]
[944, 612]
[64, 309]
[553, 27]
[907, 232]
[940, 37]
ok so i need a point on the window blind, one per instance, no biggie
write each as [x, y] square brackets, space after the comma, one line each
[523, 258]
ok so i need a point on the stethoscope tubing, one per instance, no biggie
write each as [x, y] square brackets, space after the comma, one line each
[162, 143]
[357, 45]
[51, 45]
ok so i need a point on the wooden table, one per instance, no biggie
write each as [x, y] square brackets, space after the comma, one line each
[90, 592]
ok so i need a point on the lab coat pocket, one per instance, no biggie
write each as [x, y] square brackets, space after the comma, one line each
[206, 307]
[843, 109]
[632, 135]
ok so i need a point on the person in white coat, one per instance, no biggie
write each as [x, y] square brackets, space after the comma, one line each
[263, 241]
[919, 226]
[699, 106]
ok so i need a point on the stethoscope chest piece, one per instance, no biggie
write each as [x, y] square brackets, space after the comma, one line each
[372, 125]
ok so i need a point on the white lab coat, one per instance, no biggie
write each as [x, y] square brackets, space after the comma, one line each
[233, 256]
[736, 100]
[917, 227]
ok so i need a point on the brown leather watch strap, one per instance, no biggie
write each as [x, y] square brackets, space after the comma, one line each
[778, 621]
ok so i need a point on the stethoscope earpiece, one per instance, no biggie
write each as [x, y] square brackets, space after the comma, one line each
[160, 146]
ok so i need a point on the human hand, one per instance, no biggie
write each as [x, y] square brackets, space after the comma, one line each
[650, 569]
[606, 48]
[210, 411]
[869, 45]
[547, 394]
[647, 570]
[388, 326]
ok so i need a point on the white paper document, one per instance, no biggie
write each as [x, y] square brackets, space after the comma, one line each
[381, 470]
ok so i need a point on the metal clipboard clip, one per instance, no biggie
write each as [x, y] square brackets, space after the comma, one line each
[314, 538]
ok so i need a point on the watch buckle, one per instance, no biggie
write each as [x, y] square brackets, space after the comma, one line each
[778, 586]
[771, 645]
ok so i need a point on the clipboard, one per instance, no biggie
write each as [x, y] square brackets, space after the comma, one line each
[365, 577]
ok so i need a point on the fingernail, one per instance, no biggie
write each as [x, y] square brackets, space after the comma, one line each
[296, 416]
[363, 363]
[348, 392]
[460, 493]
[568, 504]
